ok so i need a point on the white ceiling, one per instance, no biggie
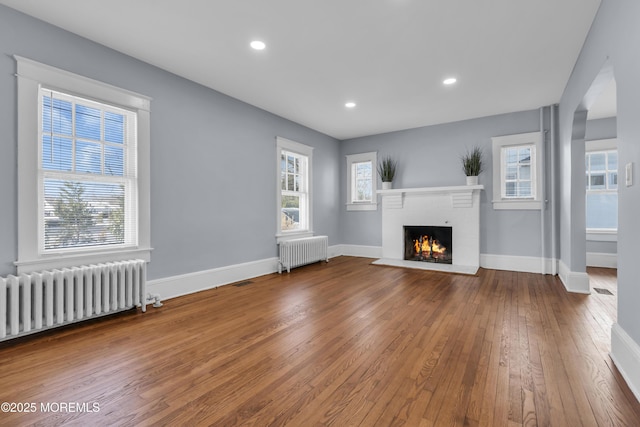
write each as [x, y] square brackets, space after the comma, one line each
[388, 56]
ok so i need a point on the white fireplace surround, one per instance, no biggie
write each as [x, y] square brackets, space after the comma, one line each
[457, 207]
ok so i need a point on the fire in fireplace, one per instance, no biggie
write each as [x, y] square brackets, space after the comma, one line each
[428, 243]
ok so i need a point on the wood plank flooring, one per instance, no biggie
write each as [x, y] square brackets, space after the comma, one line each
[343, 344]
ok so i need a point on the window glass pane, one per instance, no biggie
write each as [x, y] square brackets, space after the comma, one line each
[602, 210]
[363, 170]
[283, 180]
[88, 121]
[512, 173]
[290, 216]
[80, 214]
[297, 182]
[113, 161]
[88, 157]
[113, 127]
[597, 161]
[612, 158]
[511, 155]
[524, 155]
[613, 180]
[290, 164]
[57, 118]
[510, 189]
[525, 172]
[297, 164]
[597, 181]
[290, 181]
[363, 190]
[56, 153]
[524, 189]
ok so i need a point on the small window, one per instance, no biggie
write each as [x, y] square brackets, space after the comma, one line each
[361, 181]
[517, 171]
[601, 169]
[294, 188]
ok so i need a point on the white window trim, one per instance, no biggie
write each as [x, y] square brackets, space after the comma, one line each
[283, 144]
[359, 158]
[595, 234]
[499, 142]
[31, 75]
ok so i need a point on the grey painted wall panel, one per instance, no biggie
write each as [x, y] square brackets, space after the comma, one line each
[612, 41]
[213, 164]
[430, 157]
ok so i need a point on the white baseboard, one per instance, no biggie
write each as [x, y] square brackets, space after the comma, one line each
[175, 286]
[573, 281]
[596, 259]
[359, 251]
[625, 353]
[523, 264]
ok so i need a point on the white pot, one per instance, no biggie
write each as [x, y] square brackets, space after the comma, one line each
[386, 185]
[472, 180]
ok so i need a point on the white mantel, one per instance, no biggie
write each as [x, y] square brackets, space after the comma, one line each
[457, 207]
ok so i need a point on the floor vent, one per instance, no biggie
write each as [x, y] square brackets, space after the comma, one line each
[603, 291]
[244, 283]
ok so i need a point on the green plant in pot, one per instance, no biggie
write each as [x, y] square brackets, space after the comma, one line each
[387, 170]
[472, 165]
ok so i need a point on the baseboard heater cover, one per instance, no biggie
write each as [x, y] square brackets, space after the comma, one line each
[42, 300]
[306, 250]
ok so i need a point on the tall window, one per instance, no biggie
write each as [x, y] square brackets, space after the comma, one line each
[83, 170]
[602, 190]
[88, 176]
[361, 179]
[294, 188]
[517, 171]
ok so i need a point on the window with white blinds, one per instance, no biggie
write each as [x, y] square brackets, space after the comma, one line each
[88, 177]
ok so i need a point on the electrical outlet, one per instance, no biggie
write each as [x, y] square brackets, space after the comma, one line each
[628, 174]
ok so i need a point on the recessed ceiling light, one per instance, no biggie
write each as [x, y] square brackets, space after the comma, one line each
[449, 81]
[258, 45]
[350, 104]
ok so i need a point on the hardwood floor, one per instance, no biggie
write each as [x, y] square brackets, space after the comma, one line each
[343, 343]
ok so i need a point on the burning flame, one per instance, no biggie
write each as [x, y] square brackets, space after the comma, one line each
[428, 245]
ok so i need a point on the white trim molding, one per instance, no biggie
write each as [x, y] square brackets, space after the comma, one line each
[184, 284]
[596, 259]
[573, 281]
[625, 353]
[524, 264]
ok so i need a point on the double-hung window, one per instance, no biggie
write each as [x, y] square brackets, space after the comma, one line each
[294, 189]
[87, 174]
[361, 181]
[601, 166]
[517, 171]
[83, 180]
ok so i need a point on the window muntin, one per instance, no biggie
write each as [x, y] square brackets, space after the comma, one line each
[87, 179]
[601, 169]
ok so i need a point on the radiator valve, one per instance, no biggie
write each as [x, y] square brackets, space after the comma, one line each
[155, 298]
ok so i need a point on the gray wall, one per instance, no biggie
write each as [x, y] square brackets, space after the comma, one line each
[430, 157]
[612, 42]
[213, 166]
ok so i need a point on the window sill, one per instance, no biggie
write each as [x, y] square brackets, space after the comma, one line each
[293, 235]
[602, 236]
[362, 206]
[57, 261]
[517, 205]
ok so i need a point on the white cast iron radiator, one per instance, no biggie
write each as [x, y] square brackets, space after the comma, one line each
[296, 252]
[37, 301]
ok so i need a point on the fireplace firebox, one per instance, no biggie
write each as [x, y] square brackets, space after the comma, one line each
[428, 244]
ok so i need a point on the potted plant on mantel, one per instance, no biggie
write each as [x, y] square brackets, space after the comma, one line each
[472, 165]
[387, 170]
